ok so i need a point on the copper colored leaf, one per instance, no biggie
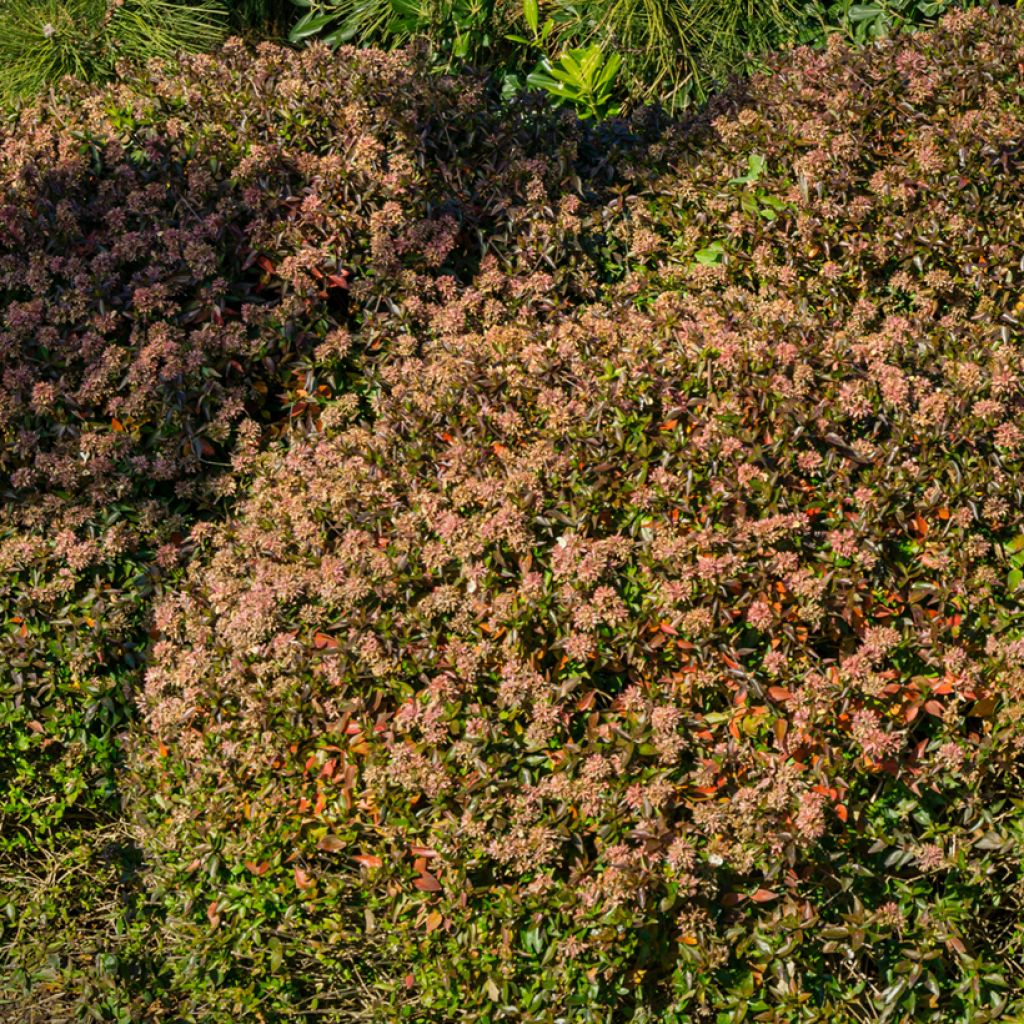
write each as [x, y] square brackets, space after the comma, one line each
[331, 844]
[984, 708]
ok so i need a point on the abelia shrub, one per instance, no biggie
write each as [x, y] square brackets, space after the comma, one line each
[201, 255]
[659, 659]
[193, 261]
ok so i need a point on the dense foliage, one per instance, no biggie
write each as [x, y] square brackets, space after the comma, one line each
[668, 52]
[658, 658]
[41, 41]
[672, 52]
[197, 275]
[579, 568]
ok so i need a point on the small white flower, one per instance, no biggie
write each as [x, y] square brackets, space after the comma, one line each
[49, 31]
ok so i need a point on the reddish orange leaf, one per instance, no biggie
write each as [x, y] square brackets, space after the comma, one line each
[368, 860]
[427, 883]
[586, 701]
[764, 896]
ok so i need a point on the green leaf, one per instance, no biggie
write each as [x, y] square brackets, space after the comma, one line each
[310, 25]
[531, 12]
[346, 33]
[863, 12]
[709, 256]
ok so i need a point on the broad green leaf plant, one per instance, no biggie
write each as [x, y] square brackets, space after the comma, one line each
[584, 78]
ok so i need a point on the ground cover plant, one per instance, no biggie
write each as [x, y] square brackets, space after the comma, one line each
[578, 567]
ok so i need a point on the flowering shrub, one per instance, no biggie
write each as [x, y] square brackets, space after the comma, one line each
[193, 261]
[201, 258]
[658, 658]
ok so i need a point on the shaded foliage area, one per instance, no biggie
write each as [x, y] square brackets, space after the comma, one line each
[673, 53]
